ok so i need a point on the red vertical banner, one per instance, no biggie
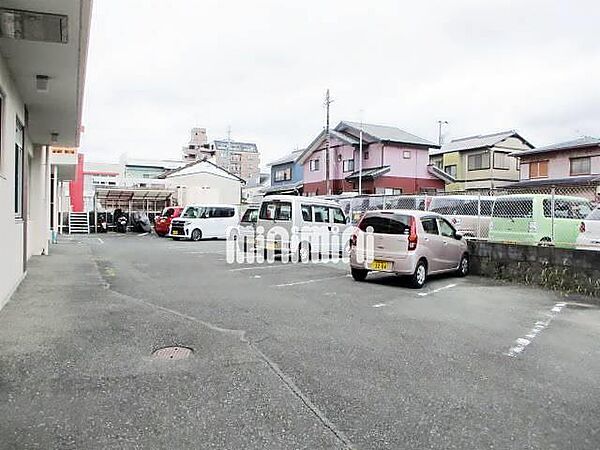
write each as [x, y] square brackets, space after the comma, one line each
[76, 187]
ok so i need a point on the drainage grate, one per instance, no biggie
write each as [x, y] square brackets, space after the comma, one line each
[172, 353]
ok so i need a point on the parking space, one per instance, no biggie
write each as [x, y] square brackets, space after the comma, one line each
[463, 362]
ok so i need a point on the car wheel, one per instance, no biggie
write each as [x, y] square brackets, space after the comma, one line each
[196, 235]
[359, 274]
[545, 242]
[304, 252]
[418, 278]
[463, 268]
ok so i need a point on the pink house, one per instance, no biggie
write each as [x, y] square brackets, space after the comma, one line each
[572, 162]
[393, 162]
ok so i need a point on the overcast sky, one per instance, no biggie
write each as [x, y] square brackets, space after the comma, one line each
[157, 68]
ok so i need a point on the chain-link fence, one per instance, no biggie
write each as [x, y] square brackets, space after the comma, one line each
[564, 216]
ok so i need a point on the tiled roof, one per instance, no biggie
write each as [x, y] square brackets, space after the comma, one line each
[568, 181]
[289, 158]
[284, 187]
[475, 142]
[373, 172]
[383, 133]
[581, 142]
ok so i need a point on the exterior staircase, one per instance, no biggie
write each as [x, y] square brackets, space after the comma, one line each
[79, 223]
[436, 171]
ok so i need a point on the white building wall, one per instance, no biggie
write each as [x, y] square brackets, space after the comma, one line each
[206, 188]
[11, 229]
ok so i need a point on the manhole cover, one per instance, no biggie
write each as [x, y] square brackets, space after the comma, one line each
[172, 353]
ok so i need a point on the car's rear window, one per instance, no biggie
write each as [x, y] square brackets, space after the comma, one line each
[513, 208]
[396, 224]
[276, 211]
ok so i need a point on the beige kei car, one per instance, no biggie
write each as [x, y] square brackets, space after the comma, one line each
[405, 242]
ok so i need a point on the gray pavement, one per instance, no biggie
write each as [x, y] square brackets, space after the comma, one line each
[286, 356]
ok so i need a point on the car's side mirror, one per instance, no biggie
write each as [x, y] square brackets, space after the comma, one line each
[458, 236]
[347, 220]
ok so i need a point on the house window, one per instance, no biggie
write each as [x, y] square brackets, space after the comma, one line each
[19, 169]
[538, 169]
[314, 165]
[283, 174]
[438, 162]
[406, 154]
[451, 170]
[501, 161]
[581, 166]
[366, 155]
[479, 161]
[392, 191]
[348, 165]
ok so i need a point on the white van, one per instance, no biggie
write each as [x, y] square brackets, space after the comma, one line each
[320, 225]
[204, 221]
[469, 214]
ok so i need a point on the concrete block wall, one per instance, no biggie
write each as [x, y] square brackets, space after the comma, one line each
[566, 270]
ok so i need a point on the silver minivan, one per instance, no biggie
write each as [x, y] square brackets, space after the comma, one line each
[405, 242]
[469, 214]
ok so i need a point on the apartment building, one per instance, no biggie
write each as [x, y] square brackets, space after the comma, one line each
[240, 158]
[43, 54]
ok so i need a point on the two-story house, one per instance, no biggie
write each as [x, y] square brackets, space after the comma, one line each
[572, 162]
[393, 161]
[480, 162]
[287, 175]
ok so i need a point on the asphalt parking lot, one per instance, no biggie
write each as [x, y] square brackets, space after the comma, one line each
[287, 356]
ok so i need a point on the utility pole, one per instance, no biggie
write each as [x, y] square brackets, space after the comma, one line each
[360, 154]
[327, 177]
[440, 123]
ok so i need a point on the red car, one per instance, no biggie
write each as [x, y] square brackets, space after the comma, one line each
[163, 222]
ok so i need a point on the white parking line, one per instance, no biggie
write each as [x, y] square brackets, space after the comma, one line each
[296, 283]
[204, 253]
[100, 240]
[268, 266]
[379, 305]
[423, 294]
[540, 325]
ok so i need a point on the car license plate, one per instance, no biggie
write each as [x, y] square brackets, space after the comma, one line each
[381, 265]
[175, 232]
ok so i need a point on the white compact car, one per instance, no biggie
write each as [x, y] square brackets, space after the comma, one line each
[589, 232]
[204, 221]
